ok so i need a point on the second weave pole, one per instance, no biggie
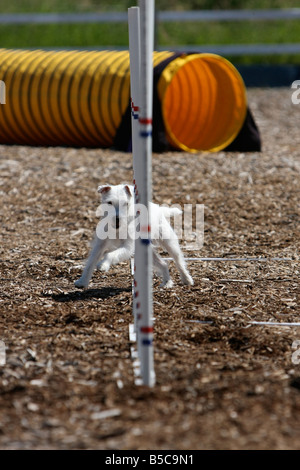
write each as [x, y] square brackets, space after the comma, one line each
[141, 45]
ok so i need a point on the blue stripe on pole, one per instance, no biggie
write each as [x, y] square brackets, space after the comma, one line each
[145, 134]
[147, 342]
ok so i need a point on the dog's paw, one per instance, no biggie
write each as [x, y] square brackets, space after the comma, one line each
[187, 280]
[80, 284]
[104, 266]
[167, 284]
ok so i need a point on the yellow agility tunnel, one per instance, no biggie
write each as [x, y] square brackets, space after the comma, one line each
[82, 98]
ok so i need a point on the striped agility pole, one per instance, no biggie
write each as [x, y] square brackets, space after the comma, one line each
[134, 49]
[141, 44]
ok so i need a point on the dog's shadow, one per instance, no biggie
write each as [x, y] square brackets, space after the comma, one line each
[87, 294]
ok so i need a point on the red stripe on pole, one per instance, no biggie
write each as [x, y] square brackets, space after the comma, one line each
[145, 121]
[146, 329]
[135, 108]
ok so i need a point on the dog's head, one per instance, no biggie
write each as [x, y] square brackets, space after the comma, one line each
[120, 197]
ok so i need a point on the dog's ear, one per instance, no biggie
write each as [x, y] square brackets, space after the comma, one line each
[128, 190]
[104, 189]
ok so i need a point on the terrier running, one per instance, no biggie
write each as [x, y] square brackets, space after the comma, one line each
[116, 232]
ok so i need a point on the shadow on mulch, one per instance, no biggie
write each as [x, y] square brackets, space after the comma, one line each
[88, 294]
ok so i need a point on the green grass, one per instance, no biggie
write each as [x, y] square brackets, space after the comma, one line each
[168, 34]
[101, 5]
[275, 32]
[230, 33]
[66, 35]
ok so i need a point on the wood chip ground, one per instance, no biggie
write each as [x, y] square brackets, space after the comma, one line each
[68, 382]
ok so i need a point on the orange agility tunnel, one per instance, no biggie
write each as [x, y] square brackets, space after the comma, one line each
[82, 98]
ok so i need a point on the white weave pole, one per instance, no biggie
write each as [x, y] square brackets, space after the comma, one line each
[134, 54]
[142, 63]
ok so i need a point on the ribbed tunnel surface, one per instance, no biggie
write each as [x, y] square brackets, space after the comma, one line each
[79, 98]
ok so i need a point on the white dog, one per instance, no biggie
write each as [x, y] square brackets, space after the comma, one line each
[116, 244]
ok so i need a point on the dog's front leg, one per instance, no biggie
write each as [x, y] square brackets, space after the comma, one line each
[122, 253]
[96, 253]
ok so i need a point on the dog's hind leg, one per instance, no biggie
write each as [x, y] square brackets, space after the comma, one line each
[162, 267]
[173, 248]
[95, 255]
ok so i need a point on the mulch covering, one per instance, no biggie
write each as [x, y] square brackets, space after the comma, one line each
[68, 380]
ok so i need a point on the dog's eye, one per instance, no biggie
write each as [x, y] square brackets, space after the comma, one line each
[109, 202]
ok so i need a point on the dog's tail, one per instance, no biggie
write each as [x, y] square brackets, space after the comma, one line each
[170, 211]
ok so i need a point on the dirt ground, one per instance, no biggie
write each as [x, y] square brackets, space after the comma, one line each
[67, 380]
